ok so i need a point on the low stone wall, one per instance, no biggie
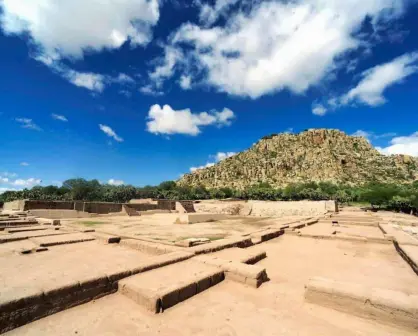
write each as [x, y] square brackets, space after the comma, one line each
[167, 205]
[37, 205]
[102, 208]
[143, 206]
[267, 208]
[290, 208]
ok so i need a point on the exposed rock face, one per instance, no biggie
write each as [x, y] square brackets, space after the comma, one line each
[314, 155]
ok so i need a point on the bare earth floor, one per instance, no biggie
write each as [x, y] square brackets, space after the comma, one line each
[276, 308]
[160, 226]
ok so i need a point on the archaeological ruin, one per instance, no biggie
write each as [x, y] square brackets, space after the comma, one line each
[160, 267]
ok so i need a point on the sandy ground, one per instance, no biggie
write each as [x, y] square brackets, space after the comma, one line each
[161, 226]
[327, 229]
[62, 265]
[276, 308]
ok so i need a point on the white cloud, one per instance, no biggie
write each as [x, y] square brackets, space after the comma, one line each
[372, 136]
[185, 82]
[28, 123]
[4, 179]
[59, 117]
[319, 110]
[278, 45]
[207, 165]
[223, 155]
[150, 90]
[123, 79]
[166, 66]
[68, 28]
[361, 133]
[24, 164]
[209, 14]
[7, 174]
[402, 145]
[87, 80]
[115, 182]
[4, 189]
[110, 132]
[375, 81]
[218, 157]
[165, 120]
[28, 183]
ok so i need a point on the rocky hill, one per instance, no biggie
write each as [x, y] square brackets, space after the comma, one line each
[313, 155]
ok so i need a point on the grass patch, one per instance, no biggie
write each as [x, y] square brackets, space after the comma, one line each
[91, 223]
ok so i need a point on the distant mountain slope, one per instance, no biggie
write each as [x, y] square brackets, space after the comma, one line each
[312, 155]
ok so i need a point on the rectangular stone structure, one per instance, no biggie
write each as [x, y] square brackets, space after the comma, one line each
[162, 288]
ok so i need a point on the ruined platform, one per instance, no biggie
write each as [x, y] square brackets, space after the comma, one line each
[163, 288]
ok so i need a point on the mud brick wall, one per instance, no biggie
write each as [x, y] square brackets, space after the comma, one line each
[40, 205]
[143, 206]
[102, 208]
[166, 205]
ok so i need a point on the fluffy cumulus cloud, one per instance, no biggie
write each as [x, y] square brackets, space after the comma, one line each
[223, 155]
[217, 157]
[319, 110]
[402, 145]
[87, 80]
[275, 45]
[8, 181]
[110, 132]
[67, 28]
[209, 14]
[59, 117]
[115, 182]
[166, 120]
[185, 82]
[4, 189]
[28, 123]
[374, 82]
[28, 183]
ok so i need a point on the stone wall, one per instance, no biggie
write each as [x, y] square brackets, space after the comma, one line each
[266, 208]
[290, 208]
[102, 208]
[166, 205]
[143, 206]
[40, 205]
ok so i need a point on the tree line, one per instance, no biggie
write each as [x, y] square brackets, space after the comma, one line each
[398, 197]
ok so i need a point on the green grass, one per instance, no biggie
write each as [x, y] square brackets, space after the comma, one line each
[91, 223]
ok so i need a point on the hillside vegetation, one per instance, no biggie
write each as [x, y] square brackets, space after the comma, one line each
[317, 155]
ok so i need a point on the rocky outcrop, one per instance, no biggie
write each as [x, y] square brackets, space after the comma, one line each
[313, 155]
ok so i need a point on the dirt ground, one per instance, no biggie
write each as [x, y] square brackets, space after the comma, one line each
[276, 308]
[228, 308]
[161, 227]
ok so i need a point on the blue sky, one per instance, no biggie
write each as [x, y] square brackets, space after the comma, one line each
[141, 91]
